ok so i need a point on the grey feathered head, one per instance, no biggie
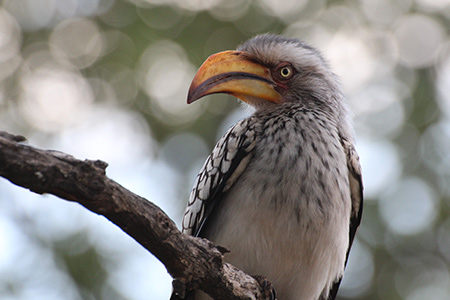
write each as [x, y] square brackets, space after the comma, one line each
[270, 70]
[312, 81]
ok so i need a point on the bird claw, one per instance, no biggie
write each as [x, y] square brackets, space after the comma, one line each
[179, 289]
[268, 291]
[222, 249]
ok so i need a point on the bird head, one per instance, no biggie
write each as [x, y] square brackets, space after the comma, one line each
[269, 70]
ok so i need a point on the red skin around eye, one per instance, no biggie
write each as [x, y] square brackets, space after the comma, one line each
[282, 82]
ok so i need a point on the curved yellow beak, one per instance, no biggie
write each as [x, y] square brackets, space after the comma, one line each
[232, 72]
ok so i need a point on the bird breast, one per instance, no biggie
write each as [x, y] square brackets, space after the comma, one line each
[287, 216]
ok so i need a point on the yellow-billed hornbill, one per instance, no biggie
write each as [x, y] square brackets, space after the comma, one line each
[282, 188]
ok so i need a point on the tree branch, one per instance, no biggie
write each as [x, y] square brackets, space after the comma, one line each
[195, 263]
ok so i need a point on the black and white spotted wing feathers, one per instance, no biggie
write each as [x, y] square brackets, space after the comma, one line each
[224, 165]
[356, 194]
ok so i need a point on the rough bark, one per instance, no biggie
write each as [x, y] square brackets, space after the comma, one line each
[194, 263]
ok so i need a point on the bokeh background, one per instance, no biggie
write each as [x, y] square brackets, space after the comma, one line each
[105, 79]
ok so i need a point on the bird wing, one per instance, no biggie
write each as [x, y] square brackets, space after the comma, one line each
[221, 169]
[224, 165]
[356, 193]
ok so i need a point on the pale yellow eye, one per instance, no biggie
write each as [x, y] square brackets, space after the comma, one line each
[286, 72]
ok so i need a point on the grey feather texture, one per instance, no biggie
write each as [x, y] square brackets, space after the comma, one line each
[282, 189]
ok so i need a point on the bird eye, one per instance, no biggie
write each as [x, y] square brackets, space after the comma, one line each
[286, 72]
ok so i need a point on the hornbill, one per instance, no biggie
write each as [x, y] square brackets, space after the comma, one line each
[282, 188]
